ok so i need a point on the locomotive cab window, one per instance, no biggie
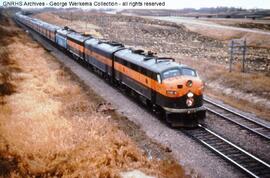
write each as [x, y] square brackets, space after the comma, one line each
[189, 72]
[178, 72]
[171, 73]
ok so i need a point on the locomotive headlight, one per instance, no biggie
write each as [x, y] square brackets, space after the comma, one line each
[190, 102]
[189, 83]
[171, 92]
[190, 94]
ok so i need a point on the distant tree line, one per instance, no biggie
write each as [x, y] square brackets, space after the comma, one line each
[213, 10]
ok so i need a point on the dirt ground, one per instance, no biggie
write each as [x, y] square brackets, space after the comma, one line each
[247, 91]
[52, 125]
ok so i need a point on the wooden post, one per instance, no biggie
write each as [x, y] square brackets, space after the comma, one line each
[244, 55]
[231, 59]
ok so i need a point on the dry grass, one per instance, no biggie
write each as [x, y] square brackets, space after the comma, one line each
[50, 125]
[7, 66]
[6, 87]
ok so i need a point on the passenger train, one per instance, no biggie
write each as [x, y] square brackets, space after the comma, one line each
[173, 89]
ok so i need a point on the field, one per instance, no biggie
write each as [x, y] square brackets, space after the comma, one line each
[209, 55]
[52, 125]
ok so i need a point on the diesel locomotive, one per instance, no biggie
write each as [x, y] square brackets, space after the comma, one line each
[161, 83]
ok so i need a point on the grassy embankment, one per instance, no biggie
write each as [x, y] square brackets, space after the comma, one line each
[49, 123]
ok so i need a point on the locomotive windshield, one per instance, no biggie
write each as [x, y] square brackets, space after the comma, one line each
[177, 72]
[171, 73]
[189, 72]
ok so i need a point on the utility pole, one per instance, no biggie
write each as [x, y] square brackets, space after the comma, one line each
[238, 47]
[231, 58]
[244, 55]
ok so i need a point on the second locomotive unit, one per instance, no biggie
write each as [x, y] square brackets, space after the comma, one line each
[161, 83]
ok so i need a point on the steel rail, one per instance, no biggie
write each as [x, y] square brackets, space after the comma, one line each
[244, 122]
[240, 158]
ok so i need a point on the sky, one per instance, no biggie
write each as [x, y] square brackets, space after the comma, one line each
[170, 4]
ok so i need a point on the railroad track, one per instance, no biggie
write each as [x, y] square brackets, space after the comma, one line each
[238, 119]
[240, 158]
